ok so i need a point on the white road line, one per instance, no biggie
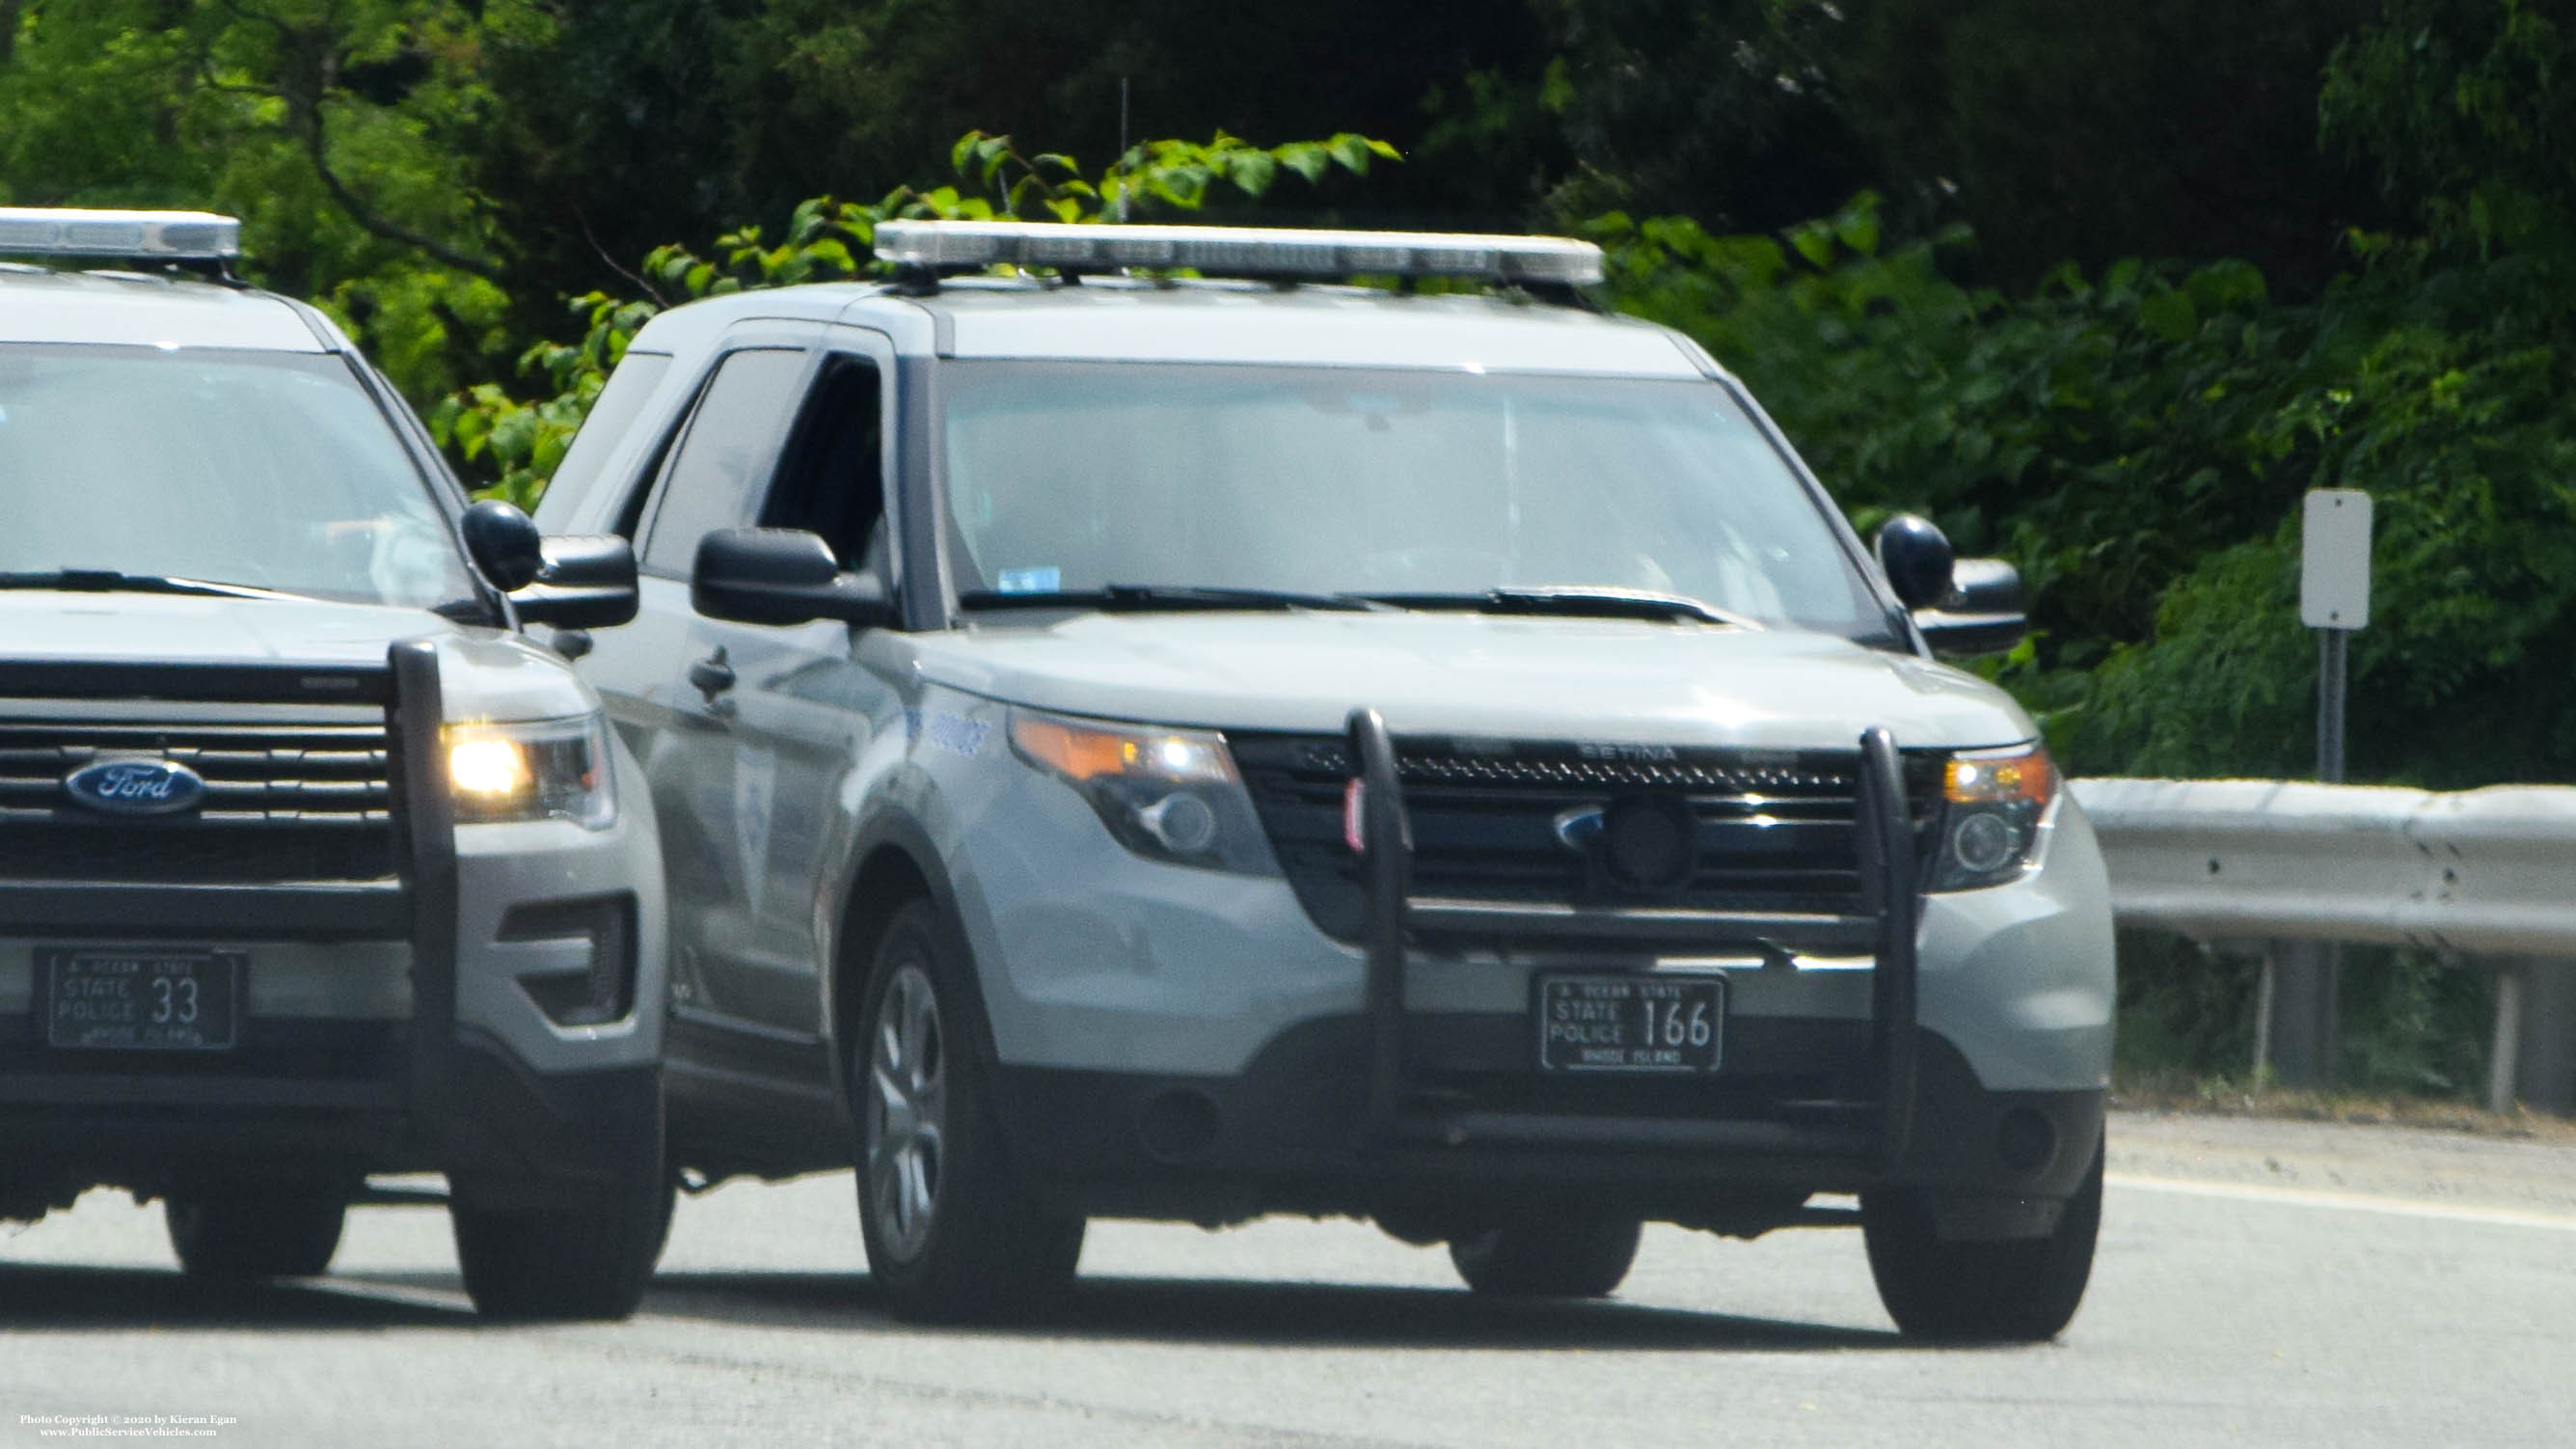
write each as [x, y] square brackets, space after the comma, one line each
[2351, 1202]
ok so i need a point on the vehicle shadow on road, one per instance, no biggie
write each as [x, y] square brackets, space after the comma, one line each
[68, 1299]
[1265, 1315]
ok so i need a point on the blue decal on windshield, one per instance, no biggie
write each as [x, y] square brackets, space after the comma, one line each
[1044, 579]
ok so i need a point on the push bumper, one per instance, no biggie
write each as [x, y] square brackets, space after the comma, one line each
[1418, 1115]
[387, 1028]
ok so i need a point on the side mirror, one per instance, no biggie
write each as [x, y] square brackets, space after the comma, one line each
[1917, 560]
[588, 582]
[503, 543]
[781, 576]
[1982, 616]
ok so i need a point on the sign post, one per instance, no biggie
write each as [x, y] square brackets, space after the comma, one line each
[2301, 980]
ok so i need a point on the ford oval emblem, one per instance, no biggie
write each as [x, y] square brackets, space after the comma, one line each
[132, 786]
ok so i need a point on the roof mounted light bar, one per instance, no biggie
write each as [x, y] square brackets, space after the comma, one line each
[177, 236]
[1232, 251]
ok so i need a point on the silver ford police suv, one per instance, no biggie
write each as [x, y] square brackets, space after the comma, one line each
[1143, 747]
[311, 865]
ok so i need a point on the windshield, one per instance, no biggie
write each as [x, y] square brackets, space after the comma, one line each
[274, 470]
[1071, 476]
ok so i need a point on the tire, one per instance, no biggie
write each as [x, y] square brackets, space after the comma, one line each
[1563, 1254]
[243, 1232]
[2023, 1291]
[952, 1231]
[591, 1261]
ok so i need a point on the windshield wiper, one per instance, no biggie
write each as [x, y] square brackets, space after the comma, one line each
[109, 581]
[1141, 598]
[1575, 602]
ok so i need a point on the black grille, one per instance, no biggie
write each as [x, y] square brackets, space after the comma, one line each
[1775, 831]
[307, 798]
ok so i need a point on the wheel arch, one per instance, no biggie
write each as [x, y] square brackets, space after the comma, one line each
[897, 863]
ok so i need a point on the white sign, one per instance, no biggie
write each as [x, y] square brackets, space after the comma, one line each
[2334, 562]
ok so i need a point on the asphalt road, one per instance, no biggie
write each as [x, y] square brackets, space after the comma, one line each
[2258, 1282]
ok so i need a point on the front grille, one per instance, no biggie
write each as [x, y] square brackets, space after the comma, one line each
[1773, 830]
[306, 798]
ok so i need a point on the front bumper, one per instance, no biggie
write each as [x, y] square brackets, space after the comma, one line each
[1959, 1043]
[1291, 1133]
[390, 1025]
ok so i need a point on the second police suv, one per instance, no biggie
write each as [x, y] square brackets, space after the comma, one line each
[1192, 749]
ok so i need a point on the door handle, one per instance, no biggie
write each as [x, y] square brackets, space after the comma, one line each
[712, 675]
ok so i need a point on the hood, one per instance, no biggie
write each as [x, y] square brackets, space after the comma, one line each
[484, 674]
[1614, 681]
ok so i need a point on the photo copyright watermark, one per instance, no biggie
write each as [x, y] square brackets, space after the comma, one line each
[127, 1426]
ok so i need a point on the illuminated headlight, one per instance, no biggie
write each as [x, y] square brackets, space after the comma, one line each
[1167, 794]
[1993, 803]
[555, 769]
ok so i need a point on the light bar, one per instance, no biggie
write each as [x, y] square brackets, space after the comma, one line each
[1231, 251]
[196, 236]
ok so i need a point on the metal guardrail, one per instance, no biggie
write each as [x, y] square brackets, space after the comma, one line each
[2486, 878]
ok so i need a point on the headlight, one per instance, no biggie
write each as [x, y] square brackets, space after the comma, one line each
[1166, 794]
[555, 769]
[1993, 801]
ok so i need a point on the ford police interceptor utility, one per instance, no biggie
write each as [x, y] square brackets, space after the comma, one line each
[1141, 729]
[311, 865]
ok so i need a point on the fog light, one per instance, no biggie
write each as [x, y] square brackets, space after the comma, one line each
[1984, 842]
[2025, 1140]
[1181, 822]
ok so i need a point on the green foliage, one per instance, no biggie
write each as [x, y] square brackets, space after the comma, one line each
[2465, 107]
[333, 128]
[513, 445]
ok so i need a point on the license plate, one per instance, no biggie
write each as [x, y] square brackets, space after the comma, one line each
[142, 1000]
[1630, 1023]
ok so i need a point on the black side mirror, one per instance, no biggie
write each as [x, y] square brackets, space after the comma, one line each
[503, 543]
[588, 582]
[1917, 559]
[1983, 615]
[781, 576]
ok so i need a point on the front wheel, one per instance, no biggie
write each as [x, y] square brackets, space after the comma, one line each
[2020, 1291]
[590, 1260]
[1552, 1255]
[238, 1232]
[952, 1231]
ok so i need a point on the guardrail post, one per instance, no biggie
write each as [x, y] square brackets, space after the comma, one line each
[2504, 1050]
[2545, 1075]
[2267, 986]
[2305, 977]
[2533, 1056]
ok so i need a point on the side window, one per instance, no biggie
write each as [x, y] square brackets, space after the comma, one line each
[611, 414]
[830, 478]
[712, 480]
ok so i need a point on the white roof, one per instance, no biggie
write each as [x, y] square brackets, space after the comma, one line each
[38, 305]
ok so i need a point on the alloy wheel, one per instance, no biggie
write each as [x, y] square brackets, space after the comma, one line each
[907, 1111]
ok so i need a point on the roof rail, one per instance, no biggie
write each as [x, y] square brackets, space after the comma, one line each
[197, 240]
[938, 248]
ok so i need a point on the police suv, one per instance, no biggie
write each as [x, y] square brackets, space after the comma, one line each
[1142, 729]
[312, 866]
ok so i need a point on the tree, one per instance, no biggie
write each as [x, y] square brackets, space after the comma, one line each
[331, 127]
